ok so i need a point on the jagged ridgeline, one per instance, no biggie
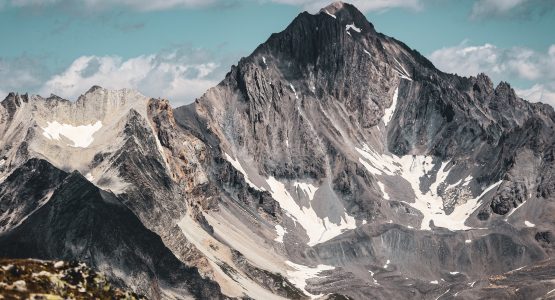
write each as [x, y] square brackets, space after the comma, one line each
[334, 162]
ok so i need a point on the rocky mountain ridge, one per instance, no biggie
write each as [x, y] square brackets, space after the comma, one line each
[334, 161]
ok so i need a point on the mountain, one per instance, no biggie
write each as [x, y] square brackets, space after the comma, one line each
[333, 162]
[80, 221]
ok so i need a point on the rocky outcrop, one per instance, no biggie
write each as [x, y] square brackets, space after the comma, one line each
[28, 278]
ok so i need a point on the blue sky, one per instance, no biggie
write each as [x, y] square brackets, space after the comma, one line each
[179, 48]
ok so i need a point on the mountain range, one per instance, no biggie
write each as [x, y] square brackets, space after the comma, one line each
[334, 162]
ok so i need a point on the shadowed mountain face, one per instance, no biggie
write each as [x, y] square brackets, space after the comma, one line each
[334, 161]
[82, 222]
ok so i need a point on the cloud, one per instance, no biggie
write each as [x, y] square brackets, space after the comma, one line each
[158, 5]
[363, 5]
[523, 9]
[483, 8]
[511, 64]
[137, 5]
[519, 62]
[21, 73]
[538, 93]
[179, 75]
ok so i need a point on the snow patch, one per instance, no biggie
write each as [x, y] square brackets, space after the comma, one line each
[434, 282]
[237, 165]
[468, 241]
[353, 27]
[529, 224]
[453, 273]
[518, 269]
[514, 210]
[412, 168]
[330, 14]
[294, 91]
[81, 136]
[307, 188]
[388, 113]
[402, 71]
[318, 230]
[382, 188]
[372, 276]
[301, 273]
[386, 264]
[89, 177]
[280, 233]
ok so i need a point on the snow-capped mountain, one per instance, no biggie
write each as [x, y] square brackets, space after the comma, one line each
[333, 162]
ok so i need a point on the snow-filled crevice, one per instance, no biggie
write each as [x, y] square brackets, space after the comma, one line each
[388, 113]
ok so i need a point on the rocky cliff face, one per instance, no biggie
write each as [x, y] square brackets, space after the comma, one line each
[81, 222]
[334, 161]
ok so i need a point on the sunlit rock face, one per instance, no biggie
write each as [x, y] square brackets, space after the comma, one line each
[333, 161]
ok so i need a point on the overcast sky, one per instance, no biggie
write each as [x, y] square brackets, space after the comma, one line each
[178, 48]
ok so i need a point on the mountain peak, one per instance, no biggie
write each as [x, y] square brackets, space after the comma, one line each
[333, 7]
[346, 13]
[93, 89]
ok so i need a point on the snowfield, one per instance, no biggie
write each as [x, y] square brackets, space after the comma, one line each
[318, 229]
[412, 168]
[301, 273]
[81, 136]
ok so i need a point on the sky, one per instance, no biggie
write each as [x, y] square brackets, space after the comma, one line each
[177, 49]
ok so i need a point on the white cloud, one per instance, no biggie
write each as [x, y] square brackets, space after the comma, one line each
[180, 74]
[511, 64]
[363, 5]
[483, 9]
[518, 62]
[20, 74]
[167, 75]
[154, 5]
[538, 93]
[139, 5]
